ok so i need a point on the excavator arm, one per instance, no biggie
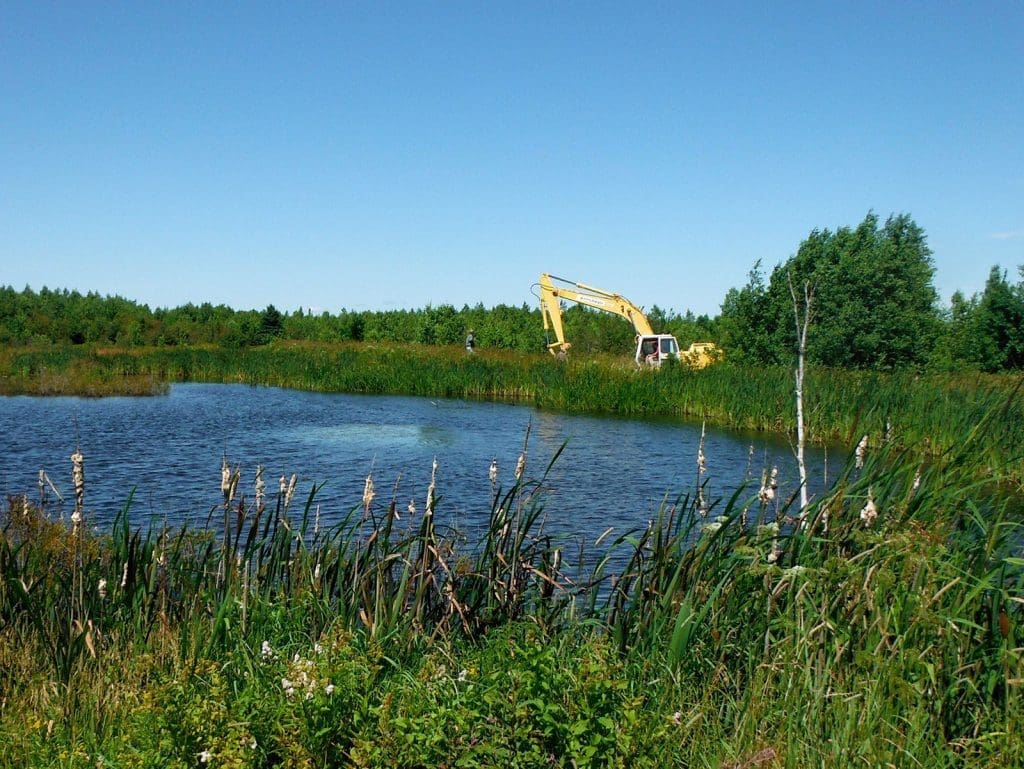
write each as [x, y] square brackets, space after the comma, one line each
[551, 311]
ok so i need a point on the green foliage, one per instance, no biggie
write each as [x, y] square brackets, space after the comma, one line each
[987, 331]
[874, 301]
[764, 636]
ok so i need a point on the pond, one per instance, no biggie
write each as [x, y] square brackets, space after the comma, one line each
[611, 472]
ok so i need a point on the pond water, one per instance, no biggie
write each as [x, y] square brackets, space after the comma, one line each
[611, 473]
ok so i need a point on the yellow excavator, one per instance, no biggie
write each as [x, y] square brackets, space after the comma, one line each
[651, 348]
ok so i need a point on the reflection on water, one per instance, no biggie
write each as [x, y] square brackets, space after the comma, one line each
[369, 436]
[612, 472]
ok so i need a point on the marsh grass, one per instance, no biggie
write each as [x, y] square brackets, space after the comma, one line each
[930, 412]
[386, 640]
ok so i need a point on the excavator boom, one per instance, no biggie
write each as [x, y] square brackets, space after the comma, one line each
[651, 347]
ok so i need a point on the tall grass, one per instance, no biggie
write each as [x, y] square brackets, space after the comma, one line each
[929, 412]
[748, 639]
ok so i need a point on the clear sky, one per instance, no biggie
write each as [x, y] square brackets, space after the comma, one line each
[392, 155]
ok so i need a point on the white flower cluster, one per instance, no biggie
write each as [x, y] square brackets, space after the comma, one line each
[301, 679]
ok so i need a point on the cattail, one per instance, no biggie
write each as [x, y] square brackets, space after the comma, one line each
[870, 510]
[520, 466]
[290, 492]
[700, 503]
[862, 448]
[431, 488]
[261, 487]
[283, 486]
[412, 507]
[368, 492]
[225, 479]
[492, 473]
[101, 588]
[78, 479]
[701, 464]
[124, 576]
[769, 483]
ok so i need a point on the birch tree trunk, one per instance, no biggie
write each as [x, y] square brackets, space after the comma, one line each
[802, 326]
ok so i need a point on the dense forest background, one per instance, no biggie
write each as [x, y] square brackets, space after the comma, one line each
[875, 307]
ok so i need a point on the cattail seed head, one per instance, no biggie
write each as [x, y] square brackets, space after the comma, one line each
[870, 510]
[862, 448]
[261, 487]
[368, 492]
[290, 492]
[78, 479]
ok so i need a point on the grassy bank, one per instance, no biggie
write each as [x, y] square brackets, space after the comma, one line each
[886, 630]
[929, 412]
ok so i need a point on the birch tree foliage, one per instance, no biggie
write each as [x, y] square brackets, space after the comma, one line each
[876, 304]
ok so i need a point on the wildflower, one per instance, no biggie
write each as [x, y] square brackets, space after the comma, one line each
[205, 757]
[101, 588]
[870, 510]
[329, 689]
[861, 449]
[289, 686]
[677, 718]
[267, 651]
[463, 675]
[252, 744]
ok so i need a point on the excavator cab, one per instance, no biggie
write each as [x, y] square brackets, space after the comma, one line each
[652, 349]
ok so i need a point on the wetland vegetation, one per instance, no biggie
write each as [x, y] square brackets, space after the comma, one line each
[879, 625]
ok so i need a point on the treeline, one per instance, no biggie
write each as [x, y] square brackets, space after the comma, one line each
[874, 306]
[63, 317]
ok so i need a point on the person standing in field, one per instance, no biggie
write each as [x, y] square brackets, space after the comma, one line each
[470, 342]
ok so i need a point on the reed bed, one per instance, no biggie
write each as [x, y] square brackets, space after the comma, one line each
[930, 412]
[881, 625]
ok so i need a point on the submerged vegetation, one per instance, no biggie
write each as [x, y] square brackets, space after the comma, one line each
[880, 625]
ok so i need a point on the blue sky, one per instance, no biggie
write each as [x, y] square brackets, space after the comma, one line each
[393, 155]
